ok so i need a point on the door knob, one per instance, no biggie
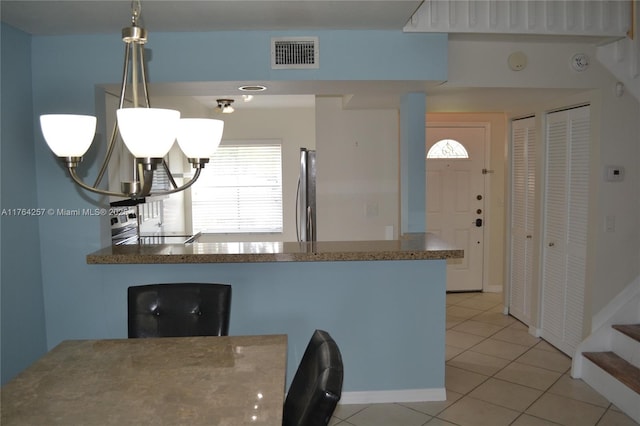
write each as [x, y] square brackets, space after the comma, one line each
[552, 244]
[478, 222]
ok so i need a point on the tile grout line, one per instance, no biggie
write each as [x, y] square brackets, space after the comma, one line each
[492, 376]
[536, 400]
[543, 392]
[485, 377]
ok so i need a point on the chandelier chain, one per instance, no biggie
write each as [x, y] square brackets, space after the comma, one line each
[136, 11]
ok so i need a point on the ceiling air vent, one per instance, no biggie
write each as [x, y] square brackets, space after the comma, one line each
[294, 53]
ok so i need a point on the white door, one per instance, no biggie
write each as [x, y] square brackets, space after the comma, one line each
[523, 187]
[455, 199]
[565, 228]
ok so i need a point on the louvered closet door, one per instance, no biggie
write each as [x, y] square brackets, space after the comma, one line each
[523, 186]
[565, 224]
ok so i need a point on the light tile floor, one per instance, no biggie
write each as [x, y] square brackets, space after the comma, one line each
[496, 374]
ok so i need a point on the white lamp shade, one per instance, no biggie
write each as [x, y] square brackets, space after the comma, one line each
[148, 132]
[199, 137]
[68, 135]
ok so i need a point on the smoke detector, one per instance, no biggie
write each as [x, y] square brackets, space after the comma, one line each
[579, 62]
[517, 61]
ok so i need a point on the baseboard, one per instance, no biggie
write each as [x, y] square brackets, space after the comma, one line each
[534, 331]
[404, 395]
[496, 288]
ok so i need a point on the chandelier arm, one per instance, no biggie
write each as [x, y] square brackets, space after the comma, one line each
[165, 166]
[125, 74]
[147, 179]
[134, 74]
[107, 157]
[79, 182]
[183, 187]
[145, 86]
[114, 133]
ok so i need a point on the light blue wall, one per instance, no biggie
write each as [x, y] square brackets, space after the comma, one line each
[380, 313]
[79, 299]
[412, 162]
[344, 55]
[22, 313]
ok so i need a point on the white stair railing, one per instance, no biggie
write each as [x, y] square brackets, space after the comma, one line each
[622, 57]
[600, 19]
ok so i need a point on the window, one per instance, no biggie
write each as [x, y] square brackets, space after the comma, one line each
[447, 148]
[240, 190]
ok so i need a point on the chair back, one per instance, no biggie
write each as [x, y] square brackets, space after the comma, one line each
[179, 310]
[317, 385]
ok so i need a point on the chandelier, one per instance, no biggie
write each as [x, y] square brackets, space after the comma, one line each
[148, 133]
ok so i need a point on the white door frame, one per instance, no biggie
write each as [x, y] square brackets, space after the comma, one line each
[487, 206]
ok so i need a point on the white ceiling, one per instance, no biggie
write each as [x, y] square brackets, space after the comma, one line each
[53, 17]
[110, 16]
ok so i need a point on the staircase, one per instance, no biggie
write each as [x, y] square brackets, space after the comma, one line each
[615, 373]
[622, 59]
[609, 358]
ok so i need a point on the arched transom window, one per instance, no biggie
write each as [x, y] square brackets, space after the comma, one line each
[447, 148]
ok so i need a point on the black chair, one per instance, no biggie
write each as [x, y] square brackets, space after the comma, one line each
[178, 310]
[317, 385]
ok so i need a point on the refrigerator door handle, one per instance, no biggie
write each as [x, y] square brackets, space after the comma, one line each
[298, 212]
[310, 231]
[306, 197]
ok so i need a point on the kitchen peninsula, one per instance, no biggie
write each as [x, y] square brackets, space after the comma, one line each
[417, 247]
[382, 301]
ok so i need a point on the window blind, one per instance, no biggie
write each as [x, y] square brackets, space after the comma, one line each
[240, 191]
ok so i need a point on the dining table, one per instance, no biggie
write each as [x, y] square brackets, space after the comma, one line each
[204, 380]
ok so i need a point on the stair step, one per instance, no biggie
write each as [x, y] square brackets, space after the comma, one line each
[617, 367]
[631, 330]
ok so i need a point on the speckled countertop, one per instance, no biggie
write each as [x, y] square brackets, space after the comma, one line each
[410, 247]
[230, 380]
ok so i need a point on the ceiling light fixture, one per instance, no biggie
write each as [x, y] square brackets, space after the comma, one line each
[254, 88]
[148, 133]
[224, 106]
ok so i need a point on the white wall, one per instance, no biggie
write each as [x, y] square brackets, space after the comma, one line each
[357, 160]
[617, 252]
[357, 165]
[294, 127]
[612, 256]
[357, 172]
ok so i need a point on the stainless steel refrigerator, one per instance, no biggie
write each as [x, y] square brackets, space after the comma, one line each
[306, 197]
